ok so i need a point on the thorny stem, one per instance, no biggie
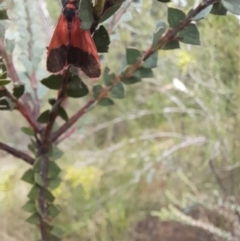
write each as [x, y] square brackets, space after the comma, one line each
[166, 38]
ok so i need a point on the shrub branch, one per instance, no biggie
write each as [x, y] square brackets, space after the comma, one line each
[17, 153]
[169, 36]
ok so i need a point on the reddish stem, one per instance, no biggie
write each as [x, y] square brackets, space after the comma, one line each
[71, 121]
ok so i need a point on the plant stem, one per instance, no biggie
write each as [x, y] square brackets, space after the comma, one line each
[17, 153]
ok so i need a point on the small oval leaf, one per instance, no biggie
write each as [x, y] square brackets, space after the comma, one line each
[28, 176]
[106, 102]
[28, 131]
[18, 90]
[101, 39]
[44, 117]
[132, 54]
[76, 88]
[189, 35]
[107, 77]
[117, 91]
[34, 219]
[175, 16]
[53, 82]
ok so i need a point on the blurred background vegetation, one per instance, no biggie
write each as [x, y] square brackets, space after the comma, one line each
[173, 141]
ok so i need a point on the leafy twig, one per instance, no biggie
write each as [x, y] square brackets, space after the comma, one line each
[17, 153]
[166, 38]
[22, 108]
[54, 112]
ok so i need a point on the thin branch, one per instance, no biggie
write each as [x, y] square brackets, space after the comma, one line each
[54, 112]
[71, 121]
[36, 100]
[118, 16]
[66, 135]
[17, 153]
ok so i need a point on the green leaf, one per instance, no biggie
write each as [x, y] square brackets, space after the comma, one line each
[34, 193]
[117, 91]
[36, 165]
[53, 82]
[106, 102]
[30, 206]
[44, 117]
[96, 90]
[76, 88]
[49, 196]
[202, 14]
[101, 39]
[55, 153]
[110, 11]
[18, 90]
[53, 211]
[48, 227]
[232, 6]
[31, 147]
[53, 169]
[38, 179]
[190, 35]
[28, 176]
[133, 79]
[34, 219]
[107, 77]
[53, 237]
[62, 113]
[3, 70]
[58, 231]
[151, 61]
[85, 14]
[146, 73]
[175, 16]
[174, 44]
[218, 9]
[132, 54]
[159, 31]
[3, 15]
[4, 82]
[3, 74]
[7, 103]
[52, 101]
[54, 183]
[28, 131]
[164, 1]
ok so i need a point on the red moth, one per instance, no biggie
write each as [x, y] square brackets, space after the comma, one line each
[72, 45]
